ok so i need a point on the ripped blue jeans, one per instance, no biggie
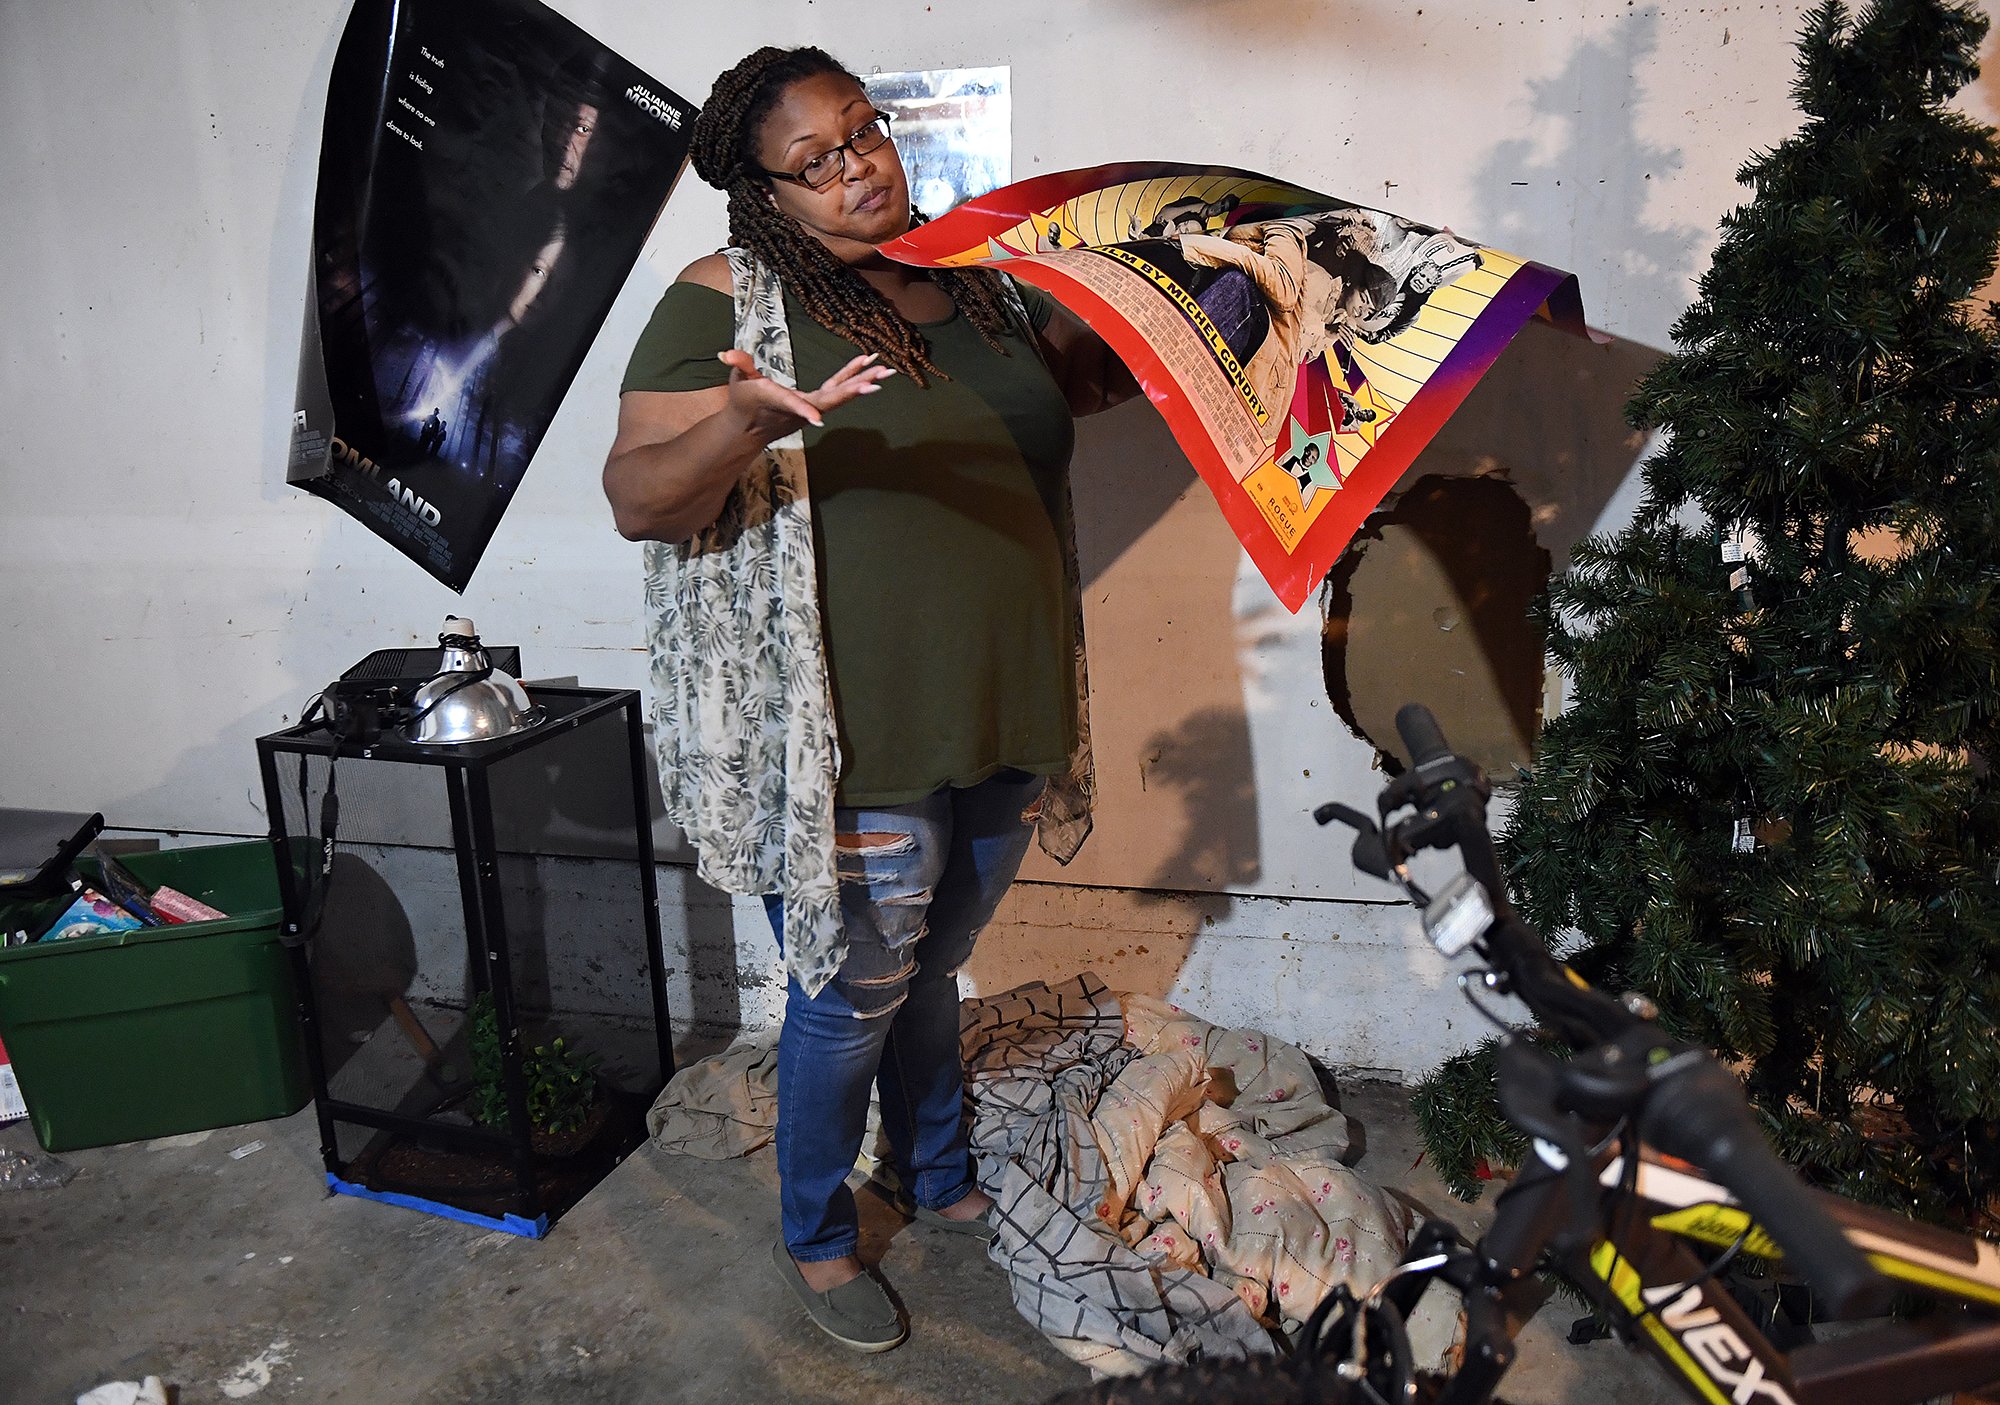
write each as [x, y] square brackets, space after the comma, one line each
[917, 882]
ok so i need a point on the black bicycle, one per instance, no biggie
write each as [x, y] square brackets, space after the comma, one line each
[1647, 1176]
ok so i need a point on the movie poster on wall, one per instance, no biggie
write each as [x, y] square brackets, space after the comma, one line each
[1303, 349]
[488, 174]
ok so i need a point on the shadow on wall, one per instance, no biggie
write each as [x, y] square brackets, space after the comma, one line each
[1430, 603]
[1433, 608]
[1127, 474]
[363, 964]
[1611, 173]
[1205, 763]
[1175, 778]
[1549, 419]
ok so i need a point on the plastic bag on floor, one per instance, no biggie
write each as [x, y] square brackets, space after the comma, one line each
[33, 1170]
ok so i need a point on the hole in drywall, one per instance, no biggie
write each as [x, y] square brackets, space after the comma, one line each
[1431, 605]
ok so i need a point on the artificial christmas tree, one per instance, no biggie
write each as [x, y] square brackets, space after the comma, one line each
[1770, 804]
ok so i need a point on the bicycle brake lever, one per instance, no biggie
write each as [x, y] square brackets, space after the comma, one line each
[1369, 855]
[1425, 830]
[1396, 794]
[1334, 810]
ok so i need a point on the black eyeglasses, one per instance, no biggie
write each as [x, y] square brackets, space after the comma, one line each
[827, 167]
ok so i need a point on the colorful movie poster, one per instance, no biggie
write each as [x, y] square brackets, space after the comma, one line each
[1303, 349]
[488, 174]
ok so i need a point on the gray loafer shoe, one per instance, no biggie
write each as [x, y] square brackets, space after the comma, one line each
[976, 1228]
[857, 1314]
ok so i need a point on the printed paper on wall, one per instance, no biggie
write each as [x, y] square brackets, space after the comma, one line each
[488, 173]
[1303, 349]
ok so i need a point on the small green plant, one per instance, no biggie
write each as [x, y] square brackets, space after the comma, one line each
[562, 1087]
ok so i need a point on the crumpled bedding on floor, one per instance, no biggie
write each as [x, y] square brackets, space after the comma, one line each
[1165, 1188]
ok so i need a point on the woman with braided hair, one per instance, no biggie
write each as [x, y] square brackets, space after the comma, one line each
[866, 677]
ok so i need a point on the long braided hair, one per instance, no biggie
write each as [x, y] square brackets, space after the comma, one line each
[833, 295]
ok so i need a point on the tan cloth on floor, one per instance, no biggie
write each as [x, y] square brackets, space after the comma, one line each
[721, 1107]
[1040, 1061]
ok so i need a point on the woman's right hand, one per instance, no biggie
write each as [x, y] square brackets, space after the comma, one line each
[770, 411]
[679, 453]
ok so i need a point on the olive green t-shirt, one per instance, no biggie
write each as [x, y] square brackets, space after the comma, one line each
[938, 524]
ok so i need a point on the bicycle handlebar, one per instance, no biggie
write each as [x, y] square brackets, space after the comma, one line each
[1699, 1113]
[1421, 734]
[1688, 1104]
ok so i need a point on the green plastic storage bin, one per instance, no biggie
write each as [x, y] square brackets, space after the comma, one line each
[161, 1030]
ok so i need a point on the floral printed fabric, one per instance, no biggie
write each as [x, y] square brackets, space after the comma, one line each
[1249, 1184]
[742, 718]
[742, 715]
[1165, 1186]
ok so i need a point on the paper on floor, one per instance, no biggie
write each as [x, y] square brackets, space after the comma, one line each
[150, 1391]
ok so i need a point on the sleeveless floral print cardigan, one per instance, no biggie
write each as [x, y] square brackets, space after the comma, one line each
[742, 713]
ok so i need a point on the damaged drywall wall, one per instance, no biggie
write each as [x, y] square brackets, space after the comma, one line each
[1431, 606]
[1431, 602]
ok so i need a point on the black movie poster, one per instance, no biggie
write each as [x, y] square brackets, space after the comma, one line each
[487, 176]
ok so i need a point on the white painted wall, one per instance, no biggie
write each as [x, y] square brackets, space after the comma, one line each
[168, 598]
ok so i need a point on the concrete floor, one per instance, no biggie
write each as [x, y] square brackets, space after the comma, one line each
[241, 1280]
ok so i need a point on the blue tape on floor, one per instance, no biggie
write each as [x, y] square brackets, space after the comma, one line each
[506, 1224]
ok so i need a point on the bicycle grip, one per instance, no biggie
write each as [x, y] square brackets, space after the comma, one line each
[1699, 1113]
[1420, 733]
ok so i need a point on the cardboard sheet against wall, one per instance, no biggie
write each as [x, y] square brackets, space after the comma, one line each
[488, 173]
